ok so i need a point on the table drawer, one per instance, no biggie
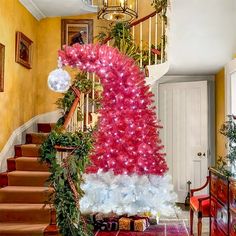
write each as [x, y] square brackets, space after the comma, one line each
[214, 182]
[222, 217]
[223, 190]
[215, 231]
[232, 195]
[232, 224]
[213, 207]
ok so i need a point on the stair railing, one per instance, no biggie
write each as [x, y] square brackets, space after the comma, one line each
[81, 112]
[156, 35]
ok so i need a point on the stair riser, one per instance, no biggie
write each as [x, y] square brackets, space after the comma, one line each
[25, 197]
[21, 151]
[31, 166]
[27, 181]
[25, 215]
[11, 164]
[45, 128]
[10, 233]
[3, 179]
[36, 138]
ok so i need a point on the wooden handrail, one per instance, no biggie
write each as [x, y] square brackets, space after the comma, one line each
[143, 19]
[156, 51]
[73, 107]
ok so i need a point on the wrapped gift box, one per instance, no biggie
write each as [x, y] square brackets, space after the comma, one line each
[133, 223]
[105, 223]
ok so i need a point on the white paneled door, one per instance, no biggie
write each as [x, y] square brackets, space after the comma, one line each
[183, 111]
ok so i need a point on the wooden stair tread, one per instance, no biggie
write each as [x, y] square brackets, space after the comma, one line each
[23, 206]
[31, 213]
[28, 178]
[27, 189]
[19, 229]
[30, 164]
[36, 138]
[29, 173]
[27, 150]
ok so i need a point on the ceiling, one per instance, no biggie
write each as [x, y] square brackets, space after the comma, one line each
[202, 35]
[49, 8]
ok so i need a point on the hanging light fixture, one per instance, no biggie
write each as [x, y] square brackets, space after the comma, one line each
[118, 10]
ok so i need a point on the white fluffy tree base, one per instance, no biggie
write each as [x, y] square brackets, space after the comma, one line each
[125, 194]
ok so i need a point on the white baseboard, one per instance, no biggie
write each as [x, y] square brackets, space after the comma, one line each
[18, 135]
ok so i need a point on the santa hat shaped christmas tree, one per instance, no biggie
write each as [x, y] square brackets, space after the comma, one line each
[128, 171]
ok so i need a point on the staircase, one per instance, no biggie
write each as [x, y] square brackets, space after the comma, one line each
[24, 191]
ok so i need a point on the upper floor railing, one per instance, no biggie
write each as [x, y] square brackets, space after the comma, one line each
[149, 34]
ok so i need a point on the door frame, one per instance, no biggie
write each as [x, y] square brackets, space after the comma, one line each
[211, 105]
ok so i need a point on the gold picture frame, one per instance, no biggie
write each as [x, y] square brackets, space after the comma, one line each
[2, 64]
[76, 31]
[23, 50]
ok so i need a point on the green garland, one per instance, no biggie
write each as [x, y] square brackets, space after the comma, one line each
[161, 5]
[82, 83]
[68, 216]
[228, 129]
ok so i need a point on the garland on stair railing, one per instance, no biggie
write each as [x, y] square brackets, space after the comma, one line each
[123, 40]
[66, 172]
[161, 5]
[66, 177]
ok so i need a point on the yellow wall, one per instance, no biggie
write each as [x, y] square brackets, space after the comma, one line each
[17, 102]
[26, 93]
[220, 111]
[49, 42]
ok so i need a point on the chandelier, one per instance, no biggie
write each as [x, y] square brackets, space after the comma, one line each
[118, 10]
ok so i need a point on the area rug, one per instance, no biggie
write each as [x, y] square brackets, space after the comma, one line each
[167, 228]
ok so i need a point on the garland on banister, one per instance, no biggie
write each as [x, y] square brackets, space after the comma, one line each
[66, 173]
[66, 177]
[163, 5]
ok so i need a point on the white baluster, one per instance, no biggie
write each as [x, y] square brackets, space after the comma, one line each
[87, 106]
[162, 38]
[93, 93]
[76, 118]
[149, 40]
[156, 34]
[133, 32]
[141, 44]
[82, 111]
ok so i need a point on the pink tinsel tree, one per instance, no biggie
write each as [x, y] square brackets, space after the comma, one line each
[127, 141]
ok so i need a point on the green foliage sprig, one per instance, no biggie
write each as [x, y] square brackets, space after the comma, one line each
[121, 38]
[68, 215]
[82, 83]
[228, 129]
[161, 5]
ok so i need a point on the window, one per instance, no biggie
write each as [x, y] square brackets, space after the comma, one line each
[230, 88]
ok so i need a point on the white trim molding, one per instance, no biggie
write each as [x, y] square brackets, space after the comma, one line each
[33, 9]
[18, 135]
[230, 68]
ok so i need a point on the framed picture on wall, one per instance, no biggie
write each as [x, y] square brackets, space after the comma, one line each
[76, 31]
[23, 50]
[2, 59]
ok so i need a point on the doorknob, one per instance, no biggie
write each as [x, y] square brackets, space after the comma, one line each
[201, 154]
